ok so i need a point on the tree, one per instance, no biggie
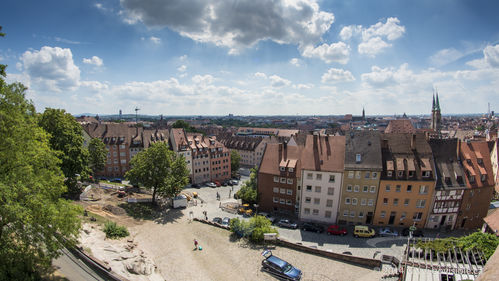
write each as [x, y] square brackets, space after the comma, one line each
[2, 66]
[181, 124]
[235, 160]
[66, 136]
[248, 192]
[159, 169]
[33, 218]
[97, 153]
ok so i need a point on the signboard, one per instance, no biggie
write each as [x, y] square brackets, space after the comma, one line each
[269, 236]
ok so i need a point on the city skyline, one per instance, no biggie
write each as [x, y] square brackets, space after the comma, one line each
[254, 58]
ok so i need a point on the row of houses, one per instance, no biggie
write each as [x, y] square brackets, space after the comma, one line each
[366, 177]
[206, 158]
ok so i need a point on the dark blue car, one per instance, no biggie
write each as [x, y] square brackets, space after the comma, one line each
[279, 267]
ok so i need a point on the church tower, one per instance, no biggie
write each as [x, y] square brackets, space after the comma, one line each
[436, 116]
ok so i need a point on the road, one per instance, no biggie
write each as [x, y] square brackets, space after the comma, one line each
[74, 269]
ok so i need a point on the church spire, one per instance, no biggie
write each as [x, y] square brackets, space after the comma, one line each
[438, 104]
[433, 106]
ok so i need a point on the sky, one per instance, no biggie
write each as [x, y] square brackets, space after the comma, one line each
[254, 57]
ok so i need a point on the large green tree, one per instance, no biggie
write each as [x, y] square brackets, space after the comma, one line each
[33, 217]
[97, 153]
[66, 137]
[160, 169]
[235, 160]
[248, 192]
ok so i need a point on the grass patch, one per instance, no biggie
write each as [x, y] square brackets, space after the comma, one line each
[115, 231]
[143, 211]
[93, 218]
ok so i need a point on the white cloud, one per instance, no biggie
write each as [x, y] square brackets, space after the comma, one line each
[94, 86]
[335, 75]
[373, 46]
[260, 75]
[335, 52]
[390, 29]
[235, 26]
[295, 61]
[202, 79]
[348, 31]
[278, 82]
[303, 86]
[95, 60]
[155, 40]
[445, 56]
[182, 68]
[491, 55]
[183, 58]
[51, 68]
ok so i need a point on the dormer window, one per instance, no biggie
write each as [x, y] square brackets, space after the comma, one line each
[480, 161]
[472, 179]
[400, 174]
[282, 169]
[290, 170]
[426, 174]
[389, 174]
[483, 178]
[411, 174]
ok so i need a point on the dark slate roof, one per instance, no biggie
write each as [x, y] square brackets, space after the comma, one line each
[239, 142]
[449, 171]
[367, 144]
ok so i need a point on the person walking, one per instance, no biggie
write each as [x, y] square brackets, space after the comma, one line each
[195, 244]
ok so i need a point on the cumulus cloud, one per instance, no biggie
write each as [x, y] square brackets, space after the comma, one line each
[182, 68]
[235, 26]
[335, 52]
[51, 68]
[391, 30]
[202, 79]
[490, 58]
[445, 56]
[260, 75]
[295, 61]
[348, 31]
[155, 40]
[94, 86]
[279, 82]
[373, 46]
[335, 75]
[95, 60]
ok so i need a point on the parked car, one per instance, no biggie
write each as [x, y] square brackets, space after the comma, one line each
[335, 229]
[313, 227]
[279, 268]
[210, 184]
[363, 231]
[229, 182]
[217, 183]
[234, 182]
[118, 180]
[415, 233]
[386, 231]
[269, 217]
[224, 183]
[217, 220]
[226, 221]
[287, 223]
[195, 185]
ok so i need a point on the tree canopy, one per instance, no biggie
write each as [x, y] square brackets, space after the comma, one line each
[160, 169]
[66, 136]
[33, 217]
[235, 160]
[97, 153]
[248, 192]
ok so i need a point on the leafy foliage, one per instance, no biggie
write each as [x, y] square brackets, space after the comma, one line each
[115, 231]
[252, 229]
[67, 138]
[159, 169]
[235, 160]
[33, 217]
[97, 155]
[248, 192]
[186, 126]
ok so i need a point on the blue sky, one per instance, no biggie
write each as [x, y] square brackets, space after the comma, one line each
[247, 57]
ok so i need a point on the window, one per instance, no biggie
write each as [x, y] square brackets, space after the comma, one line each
[367, 175]
[308, 199]
[356, 188]
[397, 188]
[330, 191]
[309, 188]
[400, 174]
[318, 177]
[289, 191]
[363, 201]
[395, 202]
[365, 188]
[375, 175]
[373, 189]
[358, 158]
[122, 153]
[283, 190]
[289, 202]
[357, 174]
[403, 215]
[275, 199]
[352, 214]
[318, 189]
[122, 146]
[389, 174]
[350, 174]
[327, 214]
[411, 174]
[472, 179]
[290, 170]
[387, 188]
[329, 203]
[276, 189]
[331, 178]
[309, 177]
[315, 212]
[306, 211]
[417, 216]
[282, 169]
[409, 188]
[347, 201]
[276, 179]
[483, 178]
[370, 202]
[115, 153]
[317, 201]
[406, 202]
[349, 188]
[354, 201]
[282, 201]
[290, 181]
[423, 189]
[283, 180]
[115, 161]
[361, 214]
[420, 203]
[123, 161]
[434, 218]
[426, 174]
[345, 213]
[383, 214]
[385, 201]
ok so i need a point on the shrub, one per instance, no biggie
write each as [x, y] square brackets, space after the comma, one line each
[252, 229]
[115, 231]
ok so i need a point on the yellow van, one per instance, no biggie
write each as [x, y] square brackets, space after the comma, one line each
[363, 231]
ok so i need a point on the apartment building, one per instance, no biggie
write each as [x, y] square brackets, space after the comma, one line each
[449, 186]
[219, 160]
[180, 145]
[249, 148]
[363, 169]
[278, 178]
[321, 178]
[475, 157]
[494, 159]
[200, 159]
[407, 181]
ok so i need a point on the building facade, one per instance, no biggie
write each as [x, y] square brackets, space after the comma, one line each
[180, 145]
[249, 148]
[200, 159]
[363, 168]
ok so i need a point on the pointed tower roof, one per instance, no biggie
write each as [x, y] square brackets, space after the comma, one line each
[433, 106]
[438, 104]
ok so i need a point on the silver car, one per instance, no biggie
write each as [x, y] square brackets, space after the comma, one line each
[386, 231]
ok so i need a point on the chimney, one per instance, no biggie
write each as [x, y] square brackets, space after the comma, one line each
[413, 141]
[285, 150]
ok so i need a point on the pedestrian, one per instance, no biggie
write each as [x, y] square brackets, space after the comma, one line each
[230, 192]
[195, 243]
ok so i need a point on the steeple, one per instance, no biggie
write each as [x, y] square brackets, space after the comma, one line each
[363, 113]
[438, 104]
[433, 106]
